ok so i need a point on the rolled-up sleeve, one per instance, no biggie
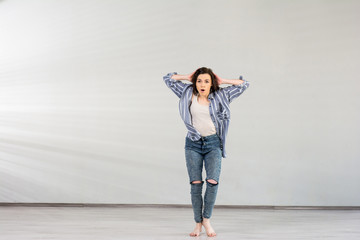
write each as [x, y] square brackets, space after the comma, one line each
[176, 86]
[235, 91]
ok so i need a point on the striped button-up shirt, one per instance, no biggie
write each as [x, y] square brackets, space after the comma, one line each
[219, 106]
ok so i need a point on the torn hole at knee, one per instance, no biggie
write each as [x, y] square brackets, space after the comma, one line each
[196, 182]
[212, 181]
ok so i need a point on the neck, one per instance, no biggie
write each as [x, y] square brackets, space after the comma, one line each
[203, 96]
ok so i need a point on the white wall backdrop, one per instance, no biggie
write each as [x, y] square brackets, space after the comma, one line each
[86, 118]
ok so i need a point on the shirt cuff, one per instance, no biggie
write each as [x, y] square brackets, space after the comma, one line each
[168, 77]
[172, 74]
[242, 84]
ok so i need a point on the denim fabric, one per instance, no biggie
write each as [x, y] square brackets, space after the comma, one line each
[206, 151]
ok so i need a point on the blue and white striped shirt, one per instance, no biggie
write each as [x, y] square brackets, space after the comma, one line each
[219, 106]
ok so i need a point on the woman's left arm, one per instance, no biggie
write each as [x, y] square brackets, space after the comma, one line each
[234, 91]
[229, 81]
[232, 81]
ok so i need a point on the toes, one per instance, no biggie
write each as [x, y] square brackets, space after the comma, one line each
[194, 234]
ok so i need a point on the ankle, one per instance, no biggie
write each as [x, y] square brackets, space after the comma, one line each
[206, 219]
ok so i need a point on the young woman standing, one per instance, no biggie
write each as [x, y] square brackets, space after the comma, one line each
[204, 108]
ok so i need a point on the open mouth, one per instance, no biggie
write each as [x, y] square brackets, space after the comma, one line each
[202, 90]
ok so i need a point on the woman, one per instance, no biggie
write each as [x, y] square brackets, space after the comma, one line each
[204, 108]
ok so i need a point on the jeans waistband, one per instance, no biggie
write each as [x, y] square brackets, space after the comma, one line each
[208, 138]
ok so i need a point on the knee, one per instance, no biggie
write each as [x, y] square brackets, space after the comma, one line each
[196, 182]
[212, 182]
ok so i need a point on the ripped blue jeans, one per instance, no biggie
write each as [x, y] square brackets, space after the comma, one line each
[206, 151]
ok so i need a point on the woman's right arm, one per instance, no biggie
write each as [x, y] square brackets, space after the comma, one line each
[181, 77]
[173, 81]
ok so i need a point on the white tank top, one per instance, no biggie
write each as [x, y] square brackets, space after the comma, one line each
[201, 120]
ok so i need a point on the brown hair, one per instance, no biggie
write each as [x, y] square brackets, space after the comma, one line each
[204, 70]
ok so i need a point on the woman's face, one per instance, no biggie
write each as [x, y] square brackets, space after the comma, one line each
[203, 84]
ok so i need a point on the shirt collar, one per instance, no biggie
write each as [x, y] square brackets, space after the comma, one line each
[211, 96]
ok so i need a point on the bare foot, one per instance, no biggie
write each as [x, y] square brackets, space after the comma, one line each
[209, 230]
[197, 230]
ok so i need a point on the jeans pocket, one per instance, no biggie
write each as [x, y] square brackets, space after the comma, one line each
[188, 143]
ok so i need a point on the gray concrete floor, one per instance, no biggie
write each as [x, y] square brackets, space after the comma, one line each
[17, 223]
